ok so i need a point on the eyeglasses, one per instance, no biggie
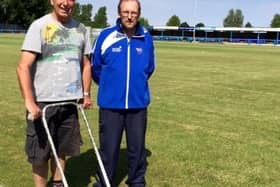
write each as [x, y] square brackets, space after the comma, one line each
[127, 13]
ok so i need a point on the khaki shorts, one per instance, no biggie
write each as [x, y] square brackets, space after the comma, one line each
[64, 128]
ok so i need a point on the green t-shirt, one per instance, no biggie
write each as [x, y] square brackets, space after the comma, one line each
[56, 74]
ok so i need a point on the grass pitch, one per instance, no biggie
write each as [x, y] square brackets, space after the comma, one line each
[213, 120]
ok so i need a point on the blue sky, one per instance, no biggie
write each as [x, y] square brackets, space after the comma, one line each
[211, 12]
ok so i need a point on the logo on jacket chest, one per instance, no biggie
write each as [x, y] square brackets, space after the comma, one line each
[117, 49]
[139, 50]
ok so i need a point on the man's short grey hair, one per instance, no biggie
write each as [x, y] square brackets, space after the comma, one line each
[121, 1]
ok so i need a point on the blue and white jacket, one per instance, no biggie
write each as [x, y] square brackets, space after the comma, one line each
[121, 66]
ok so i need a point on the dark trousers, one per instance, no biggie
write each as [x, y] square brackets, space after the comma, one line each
[112, 123]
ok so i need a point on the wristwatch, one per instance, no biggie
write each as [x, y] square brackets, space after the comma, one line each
[86, 93]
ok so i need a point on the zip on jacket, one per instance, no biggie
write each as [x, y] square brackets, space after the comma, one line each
[128, 73]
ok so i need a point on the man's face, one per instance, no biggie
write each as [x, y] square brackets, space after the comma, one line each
[129, 14]
[62, 9]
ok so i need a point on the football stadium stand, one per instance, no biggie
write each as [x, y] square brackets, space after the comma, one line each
[217, 34]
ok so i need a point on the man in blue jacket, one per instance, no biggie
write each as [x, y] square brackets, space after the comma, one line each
[122, 63]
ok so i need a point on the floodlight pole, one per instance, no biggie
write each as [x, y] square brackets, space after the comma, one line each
[194, 18]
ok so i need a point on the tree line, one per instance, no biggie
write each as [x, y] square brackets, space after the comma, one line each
[24, 12]
[234, 18]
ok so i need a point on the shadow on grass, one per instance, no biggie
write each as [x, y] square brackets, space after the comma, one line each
[80, 170]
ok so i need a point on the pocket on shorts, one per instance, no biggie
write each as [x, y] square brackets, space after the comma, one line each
[31, 140]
